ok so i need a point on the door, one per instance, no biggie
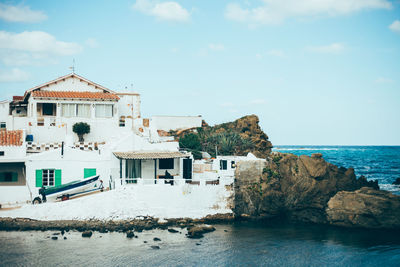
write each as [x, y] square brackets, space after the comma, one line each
[187, 168]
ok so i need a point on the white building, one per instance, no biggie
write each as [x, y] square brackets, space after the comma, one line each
[38, 146]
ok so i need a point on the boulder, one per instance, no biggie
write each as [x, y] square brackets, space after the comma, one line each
[87, 234]
[296, 187]
[366, 207]
[130, 234]
[397, 181]
[197, 231]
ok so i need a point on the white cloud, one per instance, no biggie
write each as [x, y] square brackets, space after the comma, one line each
[20, 13]
[277, 11]
[26, 48]
[395, 26]
[334, 48]
[91, 42]
[258, 101]
[216, 47]
[14, 75]
[168, 11]
[276, 53]
[227, 104]
[384, 80]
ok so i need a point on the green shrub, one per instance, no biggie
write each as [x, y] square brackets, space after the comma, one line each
[81, 128]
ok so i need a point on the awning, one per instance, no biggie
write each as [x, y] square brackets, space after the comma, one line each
[150, 155]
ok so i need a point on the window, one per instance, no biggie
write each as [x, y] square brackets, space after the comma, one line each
[83, 110]
[104, 111]
[68, 110]
[1, 153]
[8, 177]
[164, 164]
[233, 164]
[48, 109]
[223, 164]
[48, 178]
[3, 125]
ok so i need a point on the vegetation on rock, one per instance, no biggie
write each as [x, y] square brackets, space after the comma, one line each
[233, 138]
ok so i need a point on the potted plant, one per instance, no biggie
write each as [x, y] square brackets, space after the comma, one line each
[81, 128]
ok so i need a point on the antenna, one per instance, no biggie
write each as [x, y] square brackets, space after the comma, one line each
[73, 66]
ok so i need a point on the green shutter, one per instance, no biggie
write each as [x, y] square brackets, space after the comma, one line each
[39, 178]
[89, 172]
[15, 177]
[57, 177]
[2, 176]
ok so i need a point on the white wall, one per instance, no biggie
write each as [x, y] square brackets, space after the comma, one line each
[167, 123]
[71, 84]
[72, 165]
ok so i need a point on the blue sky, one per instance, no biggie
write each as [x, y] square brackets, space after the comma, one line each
[315, 72]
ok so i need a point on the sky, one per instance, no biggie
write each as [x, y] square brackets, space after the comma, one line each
[315, 72]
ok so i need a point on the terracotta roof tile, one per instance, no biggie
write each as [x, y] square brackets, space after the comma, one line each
[11, 138]
[18, 98]
[70, 94]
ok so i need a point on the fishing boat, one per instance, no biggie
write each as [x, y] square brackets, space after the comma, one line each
[71, 189]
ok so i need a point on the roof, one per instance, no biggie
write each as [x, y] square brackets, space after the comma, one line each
[11, 138]
[71, 75]
[150, 155]
[18, 98]
[78, 95]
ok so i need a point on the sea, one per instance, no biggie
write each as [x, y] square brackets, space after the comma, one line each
[270, 243]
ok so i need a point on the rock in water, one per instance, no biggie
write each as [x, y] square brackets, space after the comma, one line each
[54, 237]
[397, 181]
[155, 247]
[130, 234]
[366, 207]
[87, 234]
[156, 239]
[171, 230]
[198, 230]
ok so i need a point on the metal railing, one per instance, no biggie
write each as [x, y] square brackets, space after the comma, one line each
[177, 181]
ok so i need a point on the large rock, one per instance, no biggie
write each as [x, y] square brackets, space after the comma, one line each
[295, 187]
[365, 207]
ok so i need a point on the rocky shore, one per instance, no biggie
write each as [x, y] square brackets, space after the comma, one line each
[309, 189]
[124, 226]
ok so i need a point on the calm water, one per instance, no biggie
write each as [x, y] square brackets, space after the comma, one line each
[380, 163]
[241, 244]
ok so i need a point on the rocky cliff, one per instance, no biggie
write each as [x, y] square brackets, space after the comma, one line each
[300, 188]
[239, 137]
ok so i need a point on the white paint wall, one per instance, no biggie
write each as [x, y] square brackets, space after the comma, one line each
[71, 84]
[72, 165]
[167, 123]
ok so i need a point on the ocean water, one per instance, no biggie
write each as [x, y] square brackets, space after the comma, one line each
[239, 244]
[380, 163]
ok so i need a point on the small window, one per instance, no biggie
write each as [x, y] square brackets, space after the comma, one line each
[48, 178]
[164, 164]
[223, 164]
[104, 111]
[1, 153]
[48, 109]
[3, 125]
[68, 110]
[8, 177]
[83, 110]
